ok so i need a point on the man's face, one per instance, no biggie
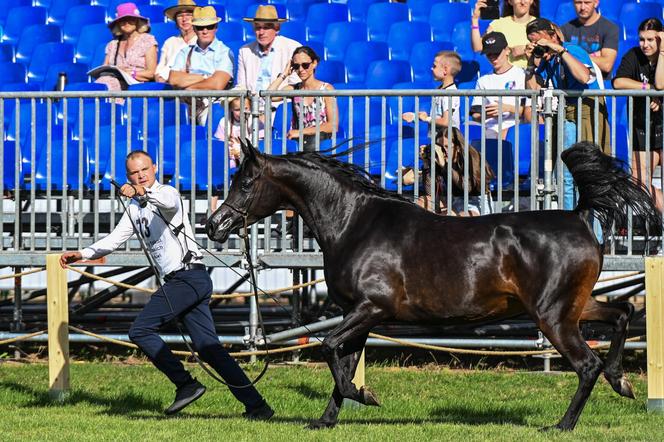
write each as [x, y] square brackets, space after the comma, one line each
[205, 34]
[585, 8]
[183, 20]
[265, 33]
[141, 171]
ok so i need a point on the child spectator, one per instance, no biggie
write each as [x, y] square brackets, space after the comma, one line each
[234, 127]
[504, 76]
[446, 66]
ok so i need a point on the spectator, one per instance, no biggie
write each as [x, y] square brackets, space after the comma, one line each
[261, 61]
[446, 66]
[234, 127]
[316, 114]
[477, 204]
[133, 50]
[181, 14]
[642, 69]
[207, 65]
[565, 66]
[504, 76]
[516, 16]
[594, 33]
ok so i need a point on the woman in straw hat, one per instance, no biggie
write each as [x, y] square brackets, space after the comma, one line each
[133, 49]
[181, 14]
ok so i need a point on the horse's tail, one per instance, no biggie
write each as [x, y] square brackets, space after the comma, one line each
[607, 187]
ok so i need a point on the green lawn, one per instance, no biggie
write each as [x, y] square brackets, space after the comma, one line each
[124, 402]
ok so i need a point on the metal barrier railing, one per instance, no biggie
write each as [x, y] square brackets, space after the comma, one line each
[56, 208]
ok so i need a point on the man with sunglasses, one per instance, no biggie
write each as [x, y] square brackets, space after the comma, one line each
[264, 60]
[206, 65]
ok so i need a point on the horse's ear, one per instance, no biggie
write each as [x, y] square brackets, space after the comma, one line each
[248, 150]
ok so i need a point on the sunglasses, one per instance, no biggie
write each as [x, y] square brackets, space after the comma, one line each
[305, 66]
[208, 27]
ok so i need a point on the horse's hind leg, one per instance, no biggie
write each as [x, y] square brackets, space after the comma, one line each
[618, 315]
[565, 336]
[349, 365]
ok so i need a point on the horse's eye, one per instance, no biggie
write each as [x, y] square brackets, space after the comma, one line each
[246, 185]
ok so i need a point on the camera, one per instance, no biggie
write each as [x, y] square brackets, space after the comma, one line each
[539, 51]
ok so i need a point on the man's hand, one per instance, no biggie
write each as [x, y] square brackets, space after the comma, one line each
[130, 190]
[555, 47]
[492, 109]
[69, 257]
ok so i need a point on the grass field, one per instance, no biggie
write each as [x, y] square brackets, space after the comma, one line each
[124, 402]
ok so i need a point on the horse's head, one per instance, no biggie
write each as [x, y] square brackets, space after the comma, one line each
[252, 196]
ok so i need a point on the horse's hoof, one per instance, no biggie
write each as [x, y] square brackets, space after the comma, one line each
[319, 425]
[624, 388]
[368, 397]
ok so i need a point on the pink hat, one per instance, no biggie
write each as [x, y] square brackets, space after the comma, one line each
[125, 10]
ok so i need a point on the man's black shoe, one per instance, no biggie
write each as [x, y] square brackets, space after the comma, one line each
[185, 395]
[262, 413]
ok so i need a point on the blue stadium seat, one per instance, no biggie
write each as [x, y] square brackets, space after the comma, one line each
[279, 118]
[19, 87]
[155, 13]
[339, 35]
[59, 8]
[153, 117]
[90, 38]
[383, 74]
[392, 162]
[11, 168]
[76, 73]
[331, 71]
[34, 35]
[408, 105]
[359, 54]
[632, 14]
[470, 70]
[491, 155]
[74, 161]
[112, 163]
[320, 15]
[610, 9]
[20, 18]
[403, 35]
[230, 31]
[8, 5]
[293, 30]
[79, 16]
[358, 9]
[564, 13]
[162, 31]
[46, 54]
[422, 56]
[6, 52]
[12, 72]
[99, 55]
[201, 166]
[381, 15]
[444, 16]
[461, 39]
[525, 145]
[547, 9]
[318, 48]
[25, 121]
[296, 10]
[236, 10]
[421, 9]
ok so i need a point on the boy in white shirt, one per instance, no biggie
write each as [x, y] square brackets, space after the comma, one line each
[505, 76]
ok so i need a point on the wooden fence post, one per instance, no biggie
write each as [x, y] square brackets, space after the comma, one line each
[655, 332]
[58, 331]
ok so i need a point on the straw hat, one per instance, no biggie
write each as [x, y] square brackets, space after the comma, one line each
[205, 16]
[183, 5]
[265, 14]
[125, 10]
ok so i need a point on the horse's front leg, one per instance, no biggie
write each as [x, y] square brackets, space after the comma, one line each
[349, 365]
[347, 338]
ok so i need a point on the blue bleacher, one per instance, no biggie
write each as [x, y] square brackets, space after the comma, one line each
[79, 16]
[492, 159]
[12, 72]
[357, 9]
[421, 9]
[564, 13]
[632, 14]
[422, 55]
[74, 162]
[331, 71]
[230, 31]
[46, 54]
[320, 15]
[34, 35]
[161, 32]
[461, 38]
[339, 35]
[200, 154]
[359, 54]
[11, 168]
[155, 13]
[381, 15]
[59, 8]
[610, 9]
[90, 38]
[293, 30]
[383, 74]
[8, 5]
[76, 73]
[236, 10]
[403, 35]
[525, 143]
[20, 18]
[444, 16]
[296, 10]
[6, 52]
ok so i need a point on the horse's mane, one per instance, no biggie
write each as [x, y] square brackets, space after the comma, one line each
[356, 175]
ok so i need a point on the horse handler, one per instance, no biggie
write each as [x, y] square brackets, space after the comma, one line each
[185, 294]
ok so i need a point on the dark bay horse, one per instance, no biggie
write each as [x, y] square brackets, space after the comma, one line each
[388, 259]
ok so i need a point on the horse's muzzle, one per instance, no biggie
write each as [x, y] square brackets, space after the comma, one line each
[219, 226]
